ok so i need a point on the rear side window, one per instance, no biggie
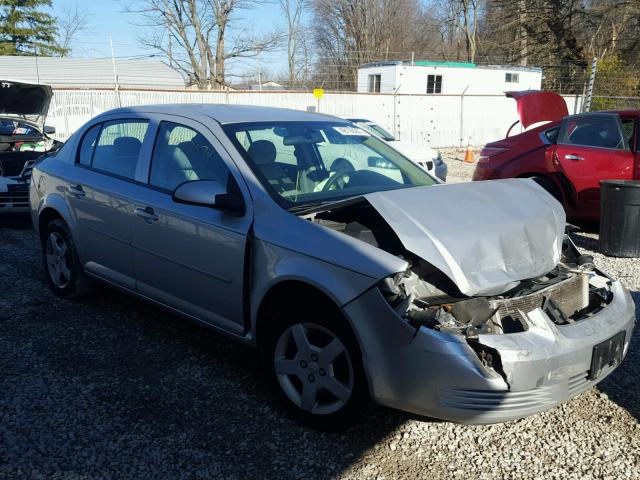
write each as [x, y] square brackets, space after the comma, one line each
[88, 144]
[118, 147]
[182, 154]
[628, 127]
[552, 134]
[601, 131]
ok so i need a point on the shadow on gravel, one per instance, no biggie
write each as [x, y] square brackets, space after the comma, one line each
[114, 388]
[622, 386]
[584, 243]
[592, 226]
[16, 221]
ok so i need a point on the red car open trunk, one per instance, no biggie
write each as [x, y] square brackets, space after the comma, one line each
[567, 155]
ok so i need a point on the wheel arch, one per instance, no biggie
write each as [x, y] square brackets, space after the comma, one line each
[46, 216]
[297, 293]
[53, 205]
[560, 182]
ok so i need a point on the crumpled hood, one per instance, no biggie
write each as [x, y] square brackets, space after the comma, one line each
[26, 101]
[485, 236]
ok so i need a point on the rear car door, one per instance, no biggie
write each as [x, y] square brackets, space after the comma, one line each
[593, 147]
[190, 257]
[100, 196]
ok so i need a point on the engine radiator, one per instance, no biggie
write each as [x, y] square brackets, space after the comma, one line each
[570, 295]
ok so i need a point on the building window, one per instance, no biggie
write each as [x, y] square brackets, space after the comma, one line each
[434, 84]
[374, 83]
[512, 77]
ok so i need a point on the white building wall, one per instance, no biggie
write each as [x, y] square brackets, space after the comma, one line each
[410, 79]
[388, 76]
[434, 120]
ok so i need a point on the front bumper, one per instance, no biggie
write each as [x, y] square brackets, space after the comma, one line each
[14, 195]
[437, 374]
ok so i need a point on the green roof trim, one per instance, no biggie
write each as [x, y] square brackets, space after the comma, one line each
[425, 63]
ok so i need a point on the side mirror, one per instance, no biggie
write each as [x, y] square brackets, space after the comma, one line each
[210, 193]
[49, 130]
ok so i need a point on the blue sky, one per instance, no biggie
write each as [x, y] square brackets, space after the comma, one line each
[108, 19]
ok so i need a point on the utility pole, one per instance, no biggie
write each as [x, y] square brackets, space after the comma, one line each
[586, 107]
[396, 127]
[115, 73]
[462, 115]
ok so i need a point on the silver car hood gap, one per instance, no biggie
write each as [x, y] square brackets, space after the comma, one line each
[485, 236]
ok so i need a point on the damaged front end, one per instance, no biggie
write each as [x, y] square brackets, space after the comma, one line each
[493, 326]
[572, 292]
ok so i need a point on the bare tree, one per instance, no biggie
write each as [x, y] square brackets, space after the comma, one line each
[470, 26]
[192, 35]
[292, 10]
[352, 32]
[244, 45]
[71, 23]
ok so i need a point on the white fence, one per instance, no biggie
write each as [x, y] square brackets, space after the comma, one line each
[434, 120]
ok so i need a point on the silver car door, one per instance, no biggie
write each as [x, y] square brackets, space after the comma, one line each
[190, 257]
[101, 193]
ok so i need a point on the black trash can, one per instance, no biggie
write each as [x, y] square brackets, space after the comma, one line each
[620, 218]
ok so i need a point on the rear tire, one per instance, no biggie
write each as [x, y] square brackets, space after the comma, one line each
[314, 366]
[549, 186]
[62, 266]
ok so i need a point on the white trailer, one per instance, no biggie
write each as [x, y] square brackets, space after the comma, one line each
[445, 78]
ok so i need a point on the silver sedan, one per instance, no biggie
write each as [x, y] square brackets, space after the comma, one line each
[464, 302]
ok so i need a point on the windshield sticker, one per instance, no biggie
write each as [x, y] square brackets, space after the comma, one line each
[351, 131]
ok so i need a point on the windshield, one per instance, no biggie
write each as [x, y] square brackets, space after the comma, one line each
[9, 128]
[376, 130]
[304, 163]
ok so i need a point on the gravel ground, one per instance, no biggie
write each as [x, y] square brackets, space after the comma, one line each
[114, 388]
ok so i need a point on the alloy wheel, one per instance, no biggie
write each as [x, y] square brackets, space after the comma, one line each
[58, 260]
[314, 368]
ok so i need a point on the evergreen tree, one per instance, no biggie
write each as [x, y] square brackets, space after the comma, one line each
[26, 29]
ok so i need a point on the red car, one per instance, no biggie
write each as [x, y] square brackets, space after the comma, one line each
[568, 155]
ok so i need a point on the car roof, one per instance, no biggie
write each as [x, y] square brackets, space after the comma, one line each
[226, 114]
[632, 113]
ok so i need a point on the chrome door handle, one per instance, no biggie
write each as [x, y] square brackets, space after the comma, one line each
[76, 191]
[147, 214]
[573, 157]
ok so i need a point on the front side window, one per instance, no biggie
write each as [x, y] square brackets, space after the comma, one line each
[601, 131]
[434, 84]
[374, 83]
[118, 147]
[332, 161]
[181, 154]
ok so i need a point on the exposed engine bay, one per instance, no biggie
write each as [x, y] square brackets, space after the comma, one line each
[572, 291]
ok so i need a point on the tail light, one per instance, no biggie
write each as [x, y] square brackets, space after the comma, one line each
[488, 152]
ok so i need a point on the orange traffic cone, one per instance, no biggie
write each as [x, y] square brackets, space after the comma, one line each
[468, 156]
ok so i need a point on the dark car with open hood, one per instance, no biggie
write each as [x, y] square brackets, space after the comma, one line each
[23, 139]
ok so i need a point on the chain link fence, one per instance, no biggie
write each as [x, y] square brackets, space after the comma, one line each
[615, 103]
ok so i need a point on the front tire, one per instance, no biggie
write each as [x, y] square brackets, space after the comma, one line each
[314, 365]
[62, 266]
